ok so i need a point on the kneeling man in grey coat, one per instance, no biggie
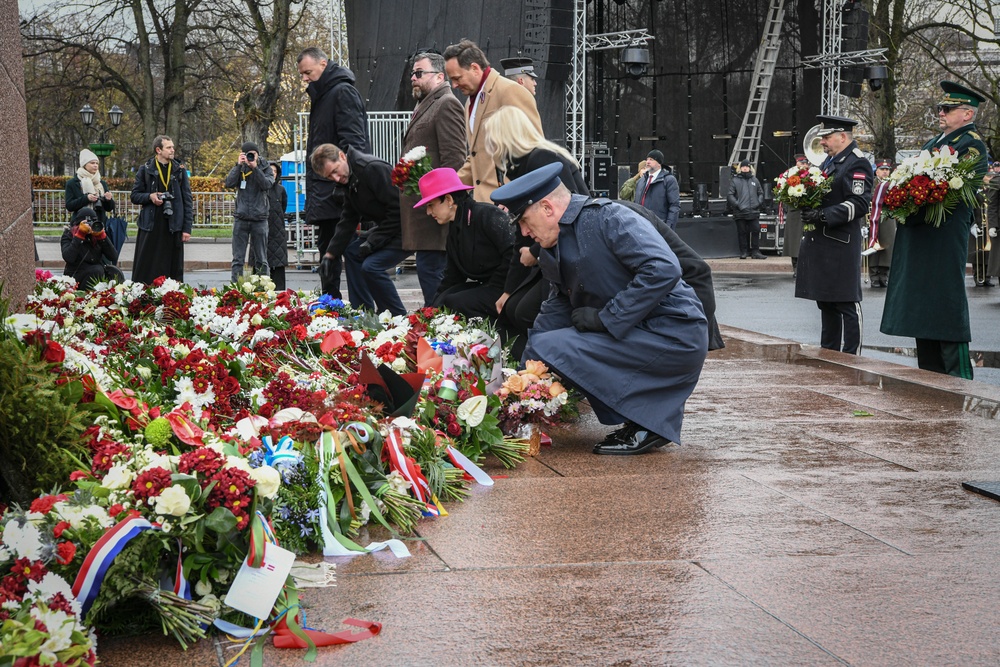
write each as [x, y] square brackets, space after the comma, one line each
[620, 324]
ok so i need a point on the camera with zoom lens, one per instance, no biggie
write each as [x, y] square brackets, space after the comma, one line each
[96, 226]
[97, 205]
[168, 205]
[251, 156]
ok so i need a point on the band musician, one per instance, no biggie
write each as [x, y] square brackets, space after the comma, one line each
[881, 229]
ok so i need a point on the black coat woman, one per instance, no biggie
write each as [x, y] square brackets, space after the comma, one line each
[479, 247]
[87, 188]
[89, 254]
[518, 148]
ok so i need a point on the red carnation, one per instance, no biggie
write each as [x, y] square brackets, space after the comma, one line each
[58, 529]
[115, 510]
[43, 505]
[65, 552]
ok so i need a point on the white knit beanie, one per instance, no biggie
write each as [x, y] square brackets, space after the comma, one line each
[87, 155]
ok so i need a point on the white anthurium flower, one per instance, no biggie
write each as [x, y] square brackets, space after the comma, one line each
[473, 410]
[249, 427]
[405, 424]
[293, 415]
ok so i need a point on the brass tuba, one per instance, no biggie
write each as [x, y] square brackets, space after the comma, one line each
[812, 147]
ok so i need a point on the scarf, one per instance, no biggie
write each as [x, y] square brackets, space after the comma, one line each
[90, 183]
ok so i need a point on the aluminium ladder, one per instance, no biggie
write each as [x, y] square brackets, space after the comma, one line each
[748, 142]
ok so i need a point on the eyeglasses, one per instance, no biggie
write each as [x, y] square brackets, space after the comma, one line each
[417, 73]
[948, 108]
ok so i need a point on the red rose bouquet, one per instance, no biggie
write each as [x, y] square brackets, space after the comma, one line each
[407, 172]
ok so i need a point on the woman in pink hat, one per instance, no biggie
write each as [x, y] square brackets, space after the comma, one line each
[479, 247]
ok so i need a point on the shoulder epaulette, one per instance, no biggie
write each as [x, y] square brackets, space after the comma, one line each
[857, 151]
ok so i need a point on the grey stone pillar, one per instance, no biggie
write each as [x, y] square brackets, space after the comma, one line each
[17, 254]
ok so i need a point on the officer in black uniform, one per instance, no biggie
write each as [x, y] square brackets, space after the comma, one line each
[522, 70]
[829, 267]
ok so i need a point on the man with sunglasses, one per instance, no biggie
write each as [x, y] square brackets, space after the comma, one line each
[437, 124]
[926, 297]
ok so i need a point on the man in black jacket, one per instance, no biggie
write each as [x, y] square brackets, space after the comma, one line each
[745, 198]
[336, 116]
[371, 202]
[166, 218]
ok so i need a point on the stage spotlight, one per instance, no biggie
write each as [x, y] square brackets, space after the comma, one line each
[636, 61]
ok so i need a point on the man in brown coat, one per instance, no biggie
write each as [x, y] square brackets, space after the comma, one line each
[469, 71]
[437, 124]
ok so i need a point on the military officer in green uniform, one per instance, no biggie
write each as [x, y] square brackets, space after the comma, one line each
[926, 296]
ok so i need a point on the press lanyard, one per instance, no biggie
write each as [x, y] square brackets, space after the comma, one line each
[166, 183]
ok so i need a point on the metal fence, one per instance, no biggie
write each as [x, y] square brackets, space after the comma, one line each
[211, 209]
[387, 129]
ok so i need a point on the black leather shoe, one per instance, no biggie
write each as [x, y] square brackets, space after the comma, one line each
[743, 256]
[632, 439]
[759, 255]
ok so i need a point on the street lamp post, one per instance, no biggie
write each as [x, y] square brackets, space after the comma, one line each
[102, 148]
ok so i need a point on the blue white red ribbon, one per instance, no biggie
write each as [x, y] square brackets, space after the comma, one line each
[464, 463]
[95, 566]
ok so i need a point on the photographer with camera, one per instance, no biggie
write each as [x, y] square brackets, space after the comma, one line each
[87, 188]
[89, 254]
[251, 178]
[163, 190]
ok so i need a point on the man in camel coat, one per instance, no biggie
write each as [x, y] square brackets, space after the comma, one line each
[469, 71]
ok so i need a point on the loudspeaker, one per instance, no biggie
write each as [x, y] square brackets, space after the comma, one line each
[854, 32]
[850, 81]
[548, 37]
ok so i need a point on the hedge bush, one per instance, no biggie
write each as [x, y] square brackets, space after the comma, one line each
[198, 183]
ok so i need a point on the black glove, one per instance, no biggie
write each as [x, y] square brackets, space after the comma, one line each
[328, 269]
[365, 249]
[588, 319]
[812, 216]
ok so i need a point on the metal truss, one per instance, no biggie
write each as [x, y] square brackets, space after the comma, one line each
[339, 50]
[849, 59]
[617, 40]
[576, 91]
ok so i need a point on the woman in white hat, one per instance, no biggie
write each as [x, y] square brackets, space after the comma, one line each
[86, 188]
[479, 247]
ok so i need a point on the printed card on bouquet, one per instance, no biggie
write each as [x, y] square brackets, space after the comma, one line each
[255, 589]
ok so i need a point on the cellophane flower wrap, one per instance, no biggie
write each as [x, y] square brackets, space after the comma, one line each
[802, 188]
[935, 182]
[531, 395]
[407, 172]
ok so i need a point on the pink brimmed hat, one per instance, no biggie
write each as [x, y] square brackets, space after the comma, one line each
[438, 183]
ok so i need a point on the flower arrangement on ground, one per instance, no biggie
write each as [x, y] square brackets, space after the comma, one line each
[407, 172]
[802, 188]
[208, 413]
[934, 182]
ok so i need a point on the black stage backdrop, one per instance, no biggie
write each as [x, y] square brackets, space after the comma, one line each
[695, 90]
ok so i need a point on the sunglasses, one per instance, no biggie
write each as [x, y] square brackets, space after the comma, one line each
[417, 73]
[948, 108]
